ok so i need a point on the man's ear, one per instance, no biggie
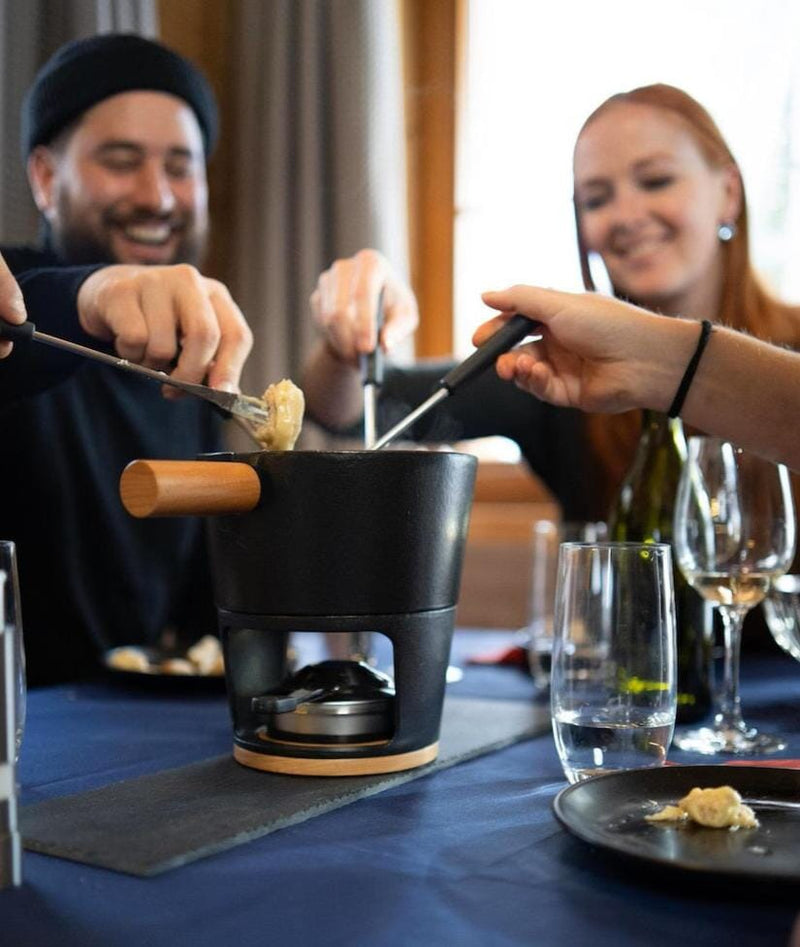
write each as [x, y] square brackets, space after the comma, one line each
[42, 166]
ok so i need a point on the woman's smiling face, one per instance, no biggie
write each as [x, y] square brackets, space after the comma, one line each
[650, 204]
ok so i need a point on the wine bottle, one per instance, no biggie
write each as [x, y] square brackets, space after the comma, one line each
[643, 512]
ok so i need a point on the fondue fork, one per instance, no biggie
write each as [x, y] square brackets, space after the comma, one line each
[371, 363]
[372, 379]
[229, 403]
[515, 330]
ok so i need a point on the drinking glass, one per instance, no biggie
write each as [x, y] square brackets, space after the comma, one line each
[612, 690]
[12, 617]
[734, 533]
[547, 538]
[782, 610]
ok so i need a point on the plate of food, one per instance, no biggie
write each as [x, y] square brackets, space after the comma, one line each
[203, 659]
[738, 822]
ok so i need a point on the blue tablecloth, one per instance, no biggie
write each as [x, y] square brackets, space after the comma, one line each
[471, 855]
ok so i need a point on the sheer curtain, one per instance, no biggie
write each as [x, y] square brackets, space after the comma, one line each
[320, 157]
[747, 75]
[30, 32]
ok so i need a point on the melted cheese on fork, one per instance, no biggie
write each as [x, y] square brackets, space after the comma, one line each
[285, 405]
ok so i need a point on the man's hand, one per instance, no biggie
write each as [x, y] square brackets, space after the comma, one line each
[345, 305]
[156, 315]
[12, 308]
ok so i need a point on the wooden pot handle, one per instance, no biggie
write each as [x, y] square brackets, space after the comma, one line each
[188, 487]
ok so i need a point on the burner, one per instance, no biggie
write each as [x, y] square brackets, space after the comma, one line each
[331, 702]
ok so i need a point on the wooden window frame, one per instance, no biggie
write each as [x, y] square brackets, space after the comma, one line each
[433, 45]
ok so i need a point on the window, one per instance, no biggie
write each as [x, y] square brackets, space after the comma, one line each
[535, 71]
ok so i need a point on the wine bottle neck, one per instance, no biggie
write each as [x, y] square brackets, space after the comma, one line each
[659, 428]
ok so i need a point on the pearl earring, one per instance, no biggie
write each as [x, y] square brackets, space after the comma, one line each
[726, 232]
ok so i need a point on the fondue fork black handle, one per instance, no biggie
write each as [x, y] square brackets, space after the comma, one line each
[515, 330]
[227, 402]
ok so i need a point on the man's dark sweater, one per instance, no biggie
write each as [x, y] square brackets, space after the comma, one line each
[92, 577]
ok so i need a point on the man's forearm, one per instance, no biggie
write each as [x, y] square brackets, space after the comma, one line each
[743, 389]
[50, 295]
[748, 391]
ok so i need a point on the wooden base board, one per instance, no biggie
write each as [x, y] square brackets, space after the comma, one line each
[352, 766]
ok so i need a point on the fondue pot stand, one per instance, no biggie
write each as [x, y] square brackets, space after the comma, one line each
[341, 541]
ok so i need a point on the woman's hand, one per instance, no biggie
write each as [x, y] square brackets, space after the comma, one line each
[345, 306]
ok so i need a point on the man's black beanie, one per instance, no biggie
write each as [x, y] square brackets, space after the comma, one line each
[86, 71]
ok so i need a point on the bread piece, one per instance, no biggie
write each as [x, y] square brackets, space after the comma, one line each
[177, 666]
[718, 808]
[128, 659]
[206, 655]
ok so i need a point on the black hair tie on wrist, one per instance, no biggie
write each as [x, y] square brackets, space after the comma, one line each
[691, 368]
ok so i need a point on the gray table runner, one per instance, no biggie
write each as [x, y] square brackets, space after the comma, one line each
[149, 824]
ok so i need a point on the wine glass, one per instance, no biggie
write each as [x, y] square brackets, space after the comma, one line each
[782, 610]
[734, 533]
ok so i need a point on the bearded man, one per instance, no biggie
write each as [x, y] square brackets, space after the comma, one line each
[116, 131]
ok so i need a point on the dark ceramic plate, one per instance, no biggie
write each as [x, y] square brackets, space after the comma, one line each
[609, 811]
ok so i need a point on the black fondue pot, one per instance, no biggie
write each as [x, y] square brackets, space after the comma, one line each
[326, 541]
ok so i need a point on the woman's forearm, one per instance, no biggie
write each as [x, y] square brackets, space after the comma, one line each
[332, 389]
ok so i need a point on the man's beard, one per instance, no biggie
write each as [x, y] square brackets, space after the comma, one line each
[76, 243]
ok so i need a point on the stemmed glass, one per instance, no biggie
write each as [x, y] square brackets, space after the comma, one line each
[782, 609]
[734, 533]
